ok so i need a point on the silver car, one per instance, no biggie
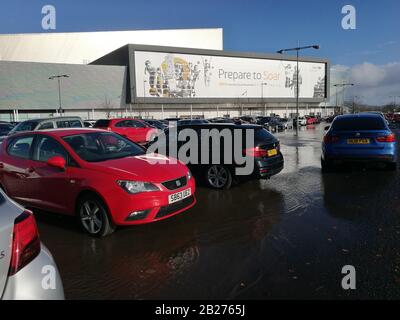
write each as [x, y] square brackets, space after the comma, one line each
[27, 269]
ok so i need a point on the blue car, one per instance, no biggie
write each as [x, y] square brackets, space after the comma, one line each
[359, 138]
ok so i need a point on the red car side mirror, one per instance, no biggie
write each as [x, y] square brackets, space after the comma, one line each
[57, 162]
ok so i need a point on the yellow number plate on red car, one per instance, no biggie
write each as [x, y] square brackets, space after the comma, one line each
[272, 152]
[358, 141]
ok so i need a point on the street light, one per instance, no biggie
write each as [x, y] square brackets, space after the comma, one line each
[297, 49]
[262, 96]
[342, 85]
[355, 98]
[394, 101]
[58, 77]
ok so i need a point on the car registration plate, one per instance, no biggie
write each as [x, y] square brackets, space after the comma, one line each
[172, 198]
[357, 141]
[272, 152]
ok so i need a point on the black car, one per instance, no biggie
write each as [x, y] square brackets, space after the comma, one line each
[156, 123]
[192, 121]
[227, 120]
[264, 121]
[267, 160]
[5, 128]
[248, 119]
[270, 123]
[277, 125]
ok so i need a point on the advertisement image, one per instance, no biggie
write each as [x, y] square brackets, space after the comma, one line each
[176, 75]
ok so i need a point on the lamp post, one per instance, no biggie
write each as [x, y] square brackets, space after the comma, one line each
[241, 105]
[262, 97]
[394, 101]
[342, 85]
[355, 98]
[58, 77]
[144, 92]
[297, 49]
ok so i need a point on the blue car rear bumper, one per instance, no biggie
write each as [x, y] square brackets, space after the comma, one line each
[386, 154]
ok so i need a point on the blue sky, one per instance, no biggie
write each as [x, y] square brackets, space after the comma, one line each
[252, 25]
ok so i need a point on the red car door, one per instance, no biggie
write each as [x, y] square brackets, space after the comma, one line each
[54, 189]
[121, 127]
[139, 130]
[132, 129]
[16, 168]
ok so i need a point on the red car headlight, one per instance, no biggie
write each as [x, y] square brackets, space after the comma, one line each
[134, 187]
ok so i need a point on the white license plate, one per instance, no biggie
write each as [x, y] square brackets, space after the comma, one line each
[172, 198]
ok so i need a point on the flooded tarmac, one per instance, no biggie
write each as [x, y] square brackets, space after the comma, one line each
[287, 237]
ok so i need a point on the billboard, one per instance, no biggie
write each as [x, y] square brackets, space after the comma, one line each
[174, 76]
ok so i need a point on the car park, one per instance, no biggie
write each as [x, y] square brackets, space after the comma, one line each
[23, 257]
[102, 178]
[134, 129]
[265, 154]
[359, 138]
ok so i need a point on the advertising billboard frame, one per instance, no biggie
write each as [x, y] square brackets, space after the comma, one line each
[217, 53]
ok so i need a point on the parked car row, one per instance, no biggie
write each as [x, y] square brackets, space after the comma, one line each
[104, 176]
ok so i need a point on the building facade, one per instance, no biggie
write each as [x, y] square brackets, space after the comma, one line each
[176, 73]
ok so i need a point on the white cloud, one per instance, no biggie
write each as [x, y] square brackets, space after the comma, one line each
[367, 74]
[374, 83]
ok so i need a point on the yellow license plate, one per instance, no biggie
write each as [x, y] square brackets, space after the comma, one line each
[272, 152]
[357, 141]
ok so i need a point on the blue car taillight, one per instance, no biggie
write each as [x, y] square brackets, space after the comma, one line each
[389, 138]
[331, 139]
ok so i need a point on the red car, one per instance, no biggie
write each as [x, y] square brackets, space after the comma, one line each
[104, 179]
[311, 120]
[135, 130]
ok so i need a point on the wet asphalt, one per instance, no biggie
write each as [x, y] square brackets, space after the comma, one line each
[283, 238]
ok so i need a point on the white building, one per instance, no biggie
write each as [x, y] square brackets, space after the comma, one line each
[85, 47]
[104, 81]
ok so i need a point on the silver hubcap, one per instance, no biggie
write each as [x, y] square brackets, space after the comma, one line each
[91, 217]
[217, 176]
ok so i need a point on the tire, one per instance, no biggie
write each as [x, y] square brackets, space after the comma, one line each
[218, 177]
[326, 166]
[392, 166]
[93, 216]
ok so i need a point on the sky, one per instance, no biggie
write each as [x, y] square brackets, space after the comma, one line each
[369, 55]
